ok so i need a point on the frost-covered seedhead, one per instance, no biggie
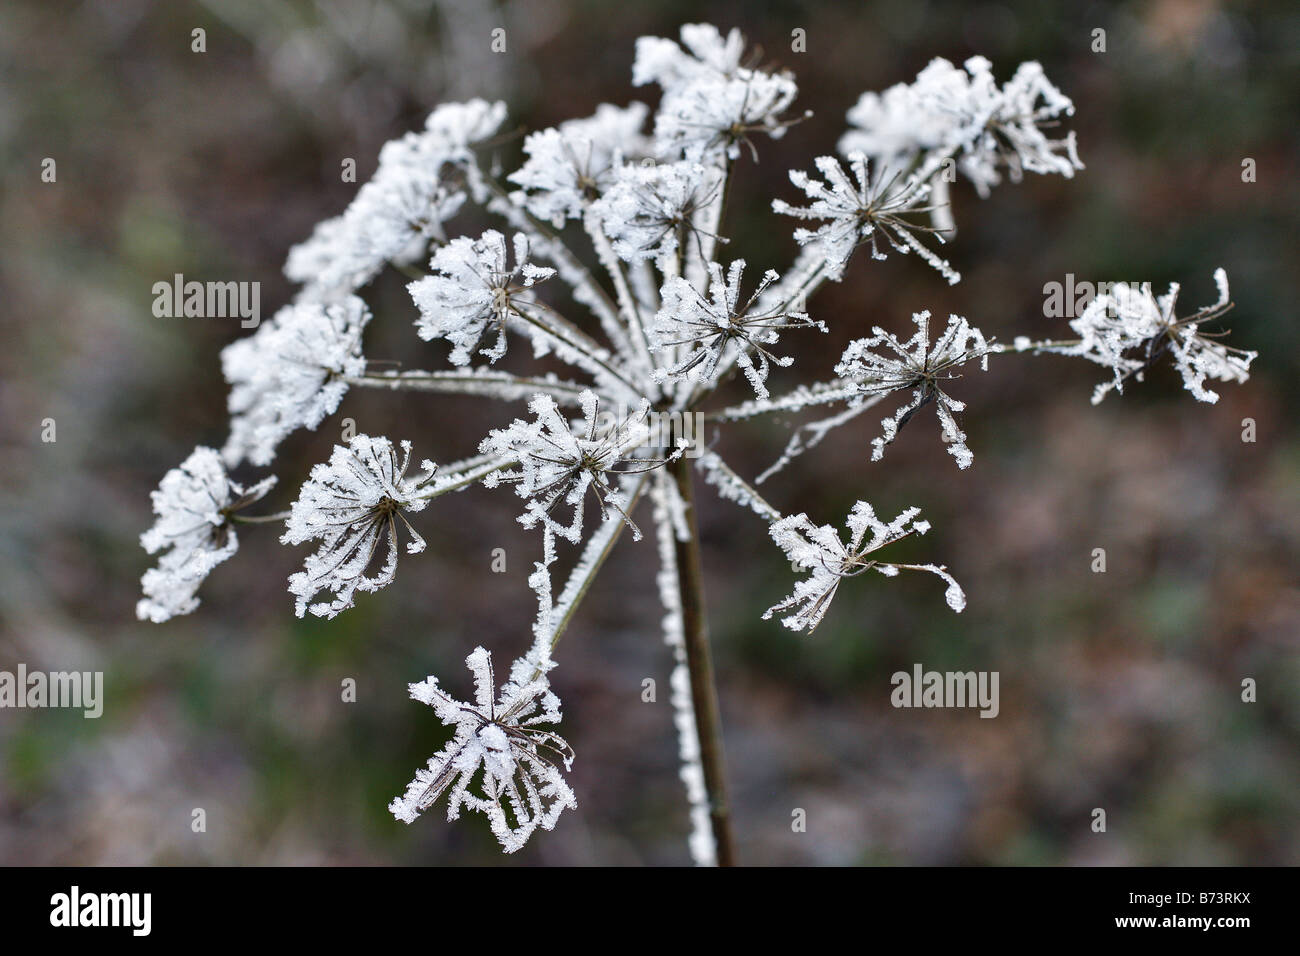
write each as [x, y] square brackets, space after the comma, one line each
[422, 181]
[397, 216]
[350, 503]
[862, 209]
[711, 104]
[963, 115]
[194, 504]
[646, 319]
[708, 118]
[473, 292]
[649, 211]
[521, 786]
[1012, 138]
[710, 328]
[704, 52]
[571, 166]
[1129, 327]
[820, 550]
[290, 374]
[921, 367]
[456, 128]
[560, 462]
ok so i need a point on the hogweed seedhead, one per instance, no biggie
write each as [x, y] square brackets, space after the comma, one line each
[500, 762]
[664, 329]
[820, 551]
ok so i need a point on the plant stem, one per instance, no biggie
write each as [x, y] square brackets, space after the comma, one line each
[699, 660]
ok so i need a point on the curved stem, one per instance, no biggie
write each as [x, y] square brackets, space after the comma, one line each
[699, 660]
[259, 519]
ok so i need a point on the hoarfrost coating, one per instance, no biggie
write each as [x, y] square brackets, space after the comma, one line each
[621, 214]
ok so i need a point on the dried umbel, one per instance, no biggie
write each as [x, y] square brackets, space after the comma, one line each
[664, 322]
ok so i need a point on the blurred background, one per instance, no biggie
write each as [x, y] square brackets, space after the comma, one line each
[1119, 690]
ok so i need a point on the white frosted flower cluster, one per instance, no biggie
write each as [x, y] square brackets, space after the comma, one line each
[862, 209]
[559, 462]
[351, 504]
[649, 210]
[711, 103]
[500, 762]
[473, 292]
[571, 165]
[922, 367]
[821, 551]
[290, 374]
[963, 115]
[194, 504]
[605, 259]
[1128, 327]
[710, 328]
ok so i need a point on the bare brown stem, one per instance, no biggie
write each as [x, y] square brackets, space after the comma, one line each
[699, 660]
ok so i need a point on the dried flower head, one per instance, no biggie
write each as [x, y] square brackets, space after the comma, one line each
[195, 504]
[820, 550]
[474, 292]
[1129, 327]
[559, 463]
[709, 328]
[520, 786]
[861, 210]
[350, 504]
[650, 211]
[920, 367]
[290, 374]
[641, 316]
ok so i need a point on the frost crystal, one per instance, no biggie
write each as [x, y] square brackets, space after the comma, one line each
[194, 504]
[571, 166]
[350, 503]
[919, 367]
[643, 327]
[709, 117]
[558, 465]
[1129, 327]
[859, 210]
[820, 550]
[521, 786]
[473, 292]
[709, 327]
[947, 113]
[649, 211]
[290, 374]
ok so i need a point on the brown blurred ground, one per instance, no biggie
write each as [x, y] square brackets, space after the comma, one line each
[1118, 690]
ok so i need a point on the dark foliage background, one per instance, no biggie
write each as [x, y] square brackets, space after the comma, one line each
[1119, 690]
